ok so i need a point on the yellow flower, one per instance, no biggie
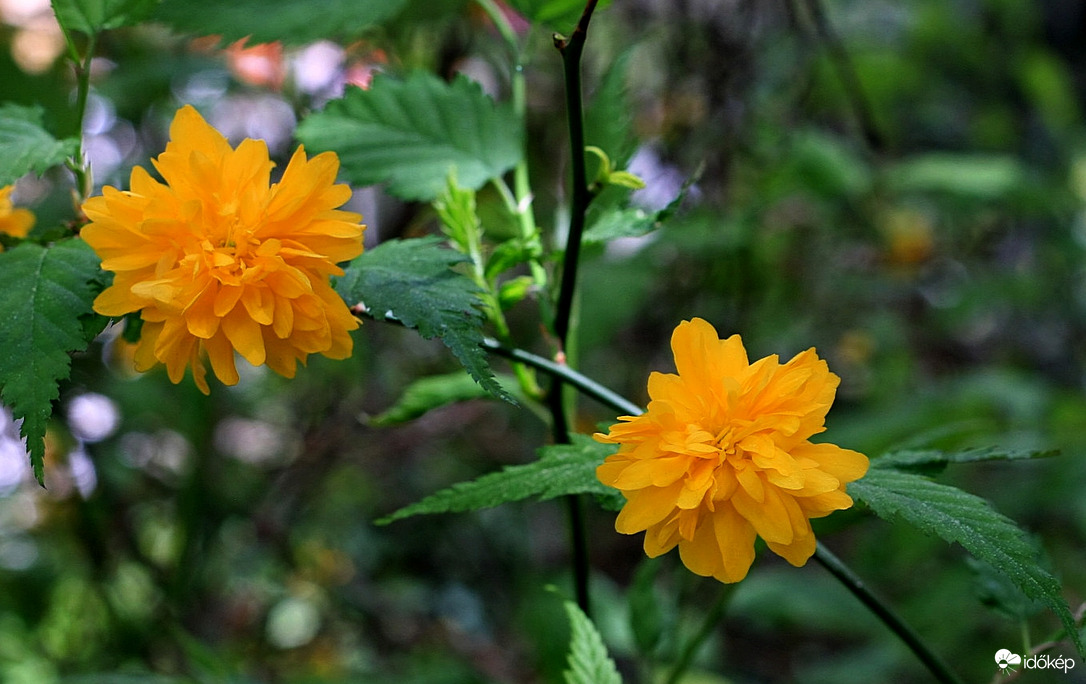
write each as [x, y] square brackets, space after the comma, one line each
[218, 259]
[14, 222]
[723, 455]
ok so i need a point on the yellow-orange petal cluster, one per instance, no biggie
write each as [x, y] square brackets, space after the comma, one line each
[723, 455]
[218, 259]
[13, 221]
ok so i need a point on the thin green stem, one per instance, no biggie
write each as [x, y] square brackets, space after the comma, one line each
[78, 164]
[690, 649]
[500, 22]
[522, 186]
[583, 383]
[936, 665]
[1027, 642]
[520, 204]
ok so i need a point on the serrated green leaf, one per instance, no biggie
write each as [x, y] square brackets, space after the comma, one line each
[459, 216]
[43, 293]
[410, 134]
[435, 391]
[26, 146]
[288, 21]
[412, 281]
[92, 16]
[588, 660]
[957, 516]
[929, 460]
[561, 469]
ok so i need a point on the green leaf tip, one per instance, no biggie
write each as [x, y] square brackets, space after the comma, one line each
[433, 392]
[958, 516]
[25, 144]
[411, 281]
[45, 293]
[561, 469]
[588, 661]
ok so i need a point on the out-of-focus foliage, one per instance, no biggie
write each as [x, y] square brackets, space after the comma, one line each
[940, 266]
[28, 146]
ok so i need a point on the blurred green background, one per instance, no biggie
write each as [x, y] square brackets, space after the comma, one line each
[900, 184]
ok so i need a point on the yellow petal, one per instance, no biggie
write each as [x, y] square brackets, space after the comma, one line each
[658, 472]
[200, 314]
[769, 517]
[799, 551]
[116, 300]
[844, 464]
[735, 538]
[646, 507]
[259, 304]
[245, 335]
[661, 538]
[701, 555]
[221, 355]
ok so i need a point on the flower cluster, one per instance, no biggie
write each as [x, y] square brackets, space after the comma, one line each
[218, 259]
[13, 222]
[723, 455]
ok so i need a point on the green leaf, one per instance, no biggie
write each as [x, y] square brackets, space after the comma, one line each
[608, 118]
[977, 176]
[957, 516]
[561, 469]
[505, 256]
[289, 21]
[93, 16]
[997, 592]
[609, 217]
[647, 620]
[434, 392]
[411, 281]
[43, 293]
[933, 460]
[559, 14]
[619, 222]
[410, 134]
[588, 659]
[26, 146]
[514, 290]
[456, 208]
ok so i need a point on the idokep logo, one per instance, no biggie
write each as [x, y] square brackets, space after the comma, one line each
[1006, 662]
